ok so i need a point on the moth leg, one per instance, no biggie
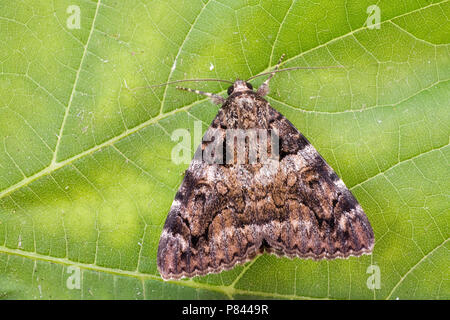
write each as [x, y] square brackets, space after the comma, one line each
[215, 98]
[264, 88]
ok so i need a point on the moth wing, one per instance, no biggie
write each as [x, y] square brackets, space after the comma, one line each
[225, 214]
[322, 218]
[206, 229]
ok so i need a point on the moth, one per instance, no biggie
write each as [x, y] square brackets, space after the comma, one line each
[227, 212]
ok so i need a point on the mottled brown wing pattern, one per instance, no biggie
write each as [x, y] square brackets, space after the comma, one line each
[324, 220]
[227, 214]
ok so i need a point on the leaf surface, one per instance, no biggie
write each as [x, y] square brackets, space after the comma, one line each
[86, 177]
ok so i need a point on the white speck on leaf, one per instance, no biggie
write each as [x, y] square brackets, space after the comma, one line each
[173, 66]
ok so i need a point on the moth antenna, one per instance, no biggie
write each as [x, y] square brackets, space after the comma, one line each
[183, 80]
[214, 97]
[292, 68]
[264, 88]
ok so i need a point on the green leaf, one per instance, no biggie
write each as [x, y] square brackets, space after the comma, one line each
[86, 177]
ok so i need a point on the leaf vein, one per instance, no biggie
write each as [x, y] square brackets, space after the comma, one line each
[77, 76]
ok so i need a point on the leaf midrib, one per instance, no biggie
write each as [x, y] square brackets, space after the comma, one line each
[229, 290]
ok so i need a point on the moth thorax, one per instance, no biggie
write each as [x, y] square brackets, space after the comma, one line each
[240, 86]
[251, 113]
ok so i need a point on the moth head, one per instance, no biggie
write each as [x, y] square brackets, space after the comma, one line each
[239, 86]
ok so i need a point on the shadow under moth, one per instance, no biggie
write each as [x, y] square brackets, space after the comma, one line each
[290, 203]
